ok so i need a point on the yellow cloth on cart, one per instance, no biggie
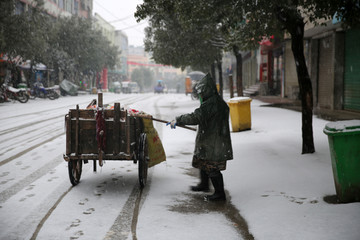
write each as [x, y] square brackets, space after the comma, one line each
[156, 151]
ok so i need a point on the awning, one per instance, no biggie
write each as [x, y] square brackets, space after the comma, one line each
[39, 66]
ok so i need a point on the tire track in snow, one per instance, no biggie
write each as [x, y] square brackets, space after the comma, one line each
[15, 143]
[126, 222]
[14, 189]
[24, 134]
[31, 225]
[29, 149]
[17, 128]
[43, 111]
[141, 198]
[47, 215]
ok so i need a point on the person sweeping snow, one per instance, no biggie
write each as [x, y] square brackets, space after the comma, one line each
[213, 143]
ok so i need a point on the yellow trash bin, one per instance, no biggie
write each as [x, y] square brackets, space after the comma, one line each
[240, 113]
[94, 90]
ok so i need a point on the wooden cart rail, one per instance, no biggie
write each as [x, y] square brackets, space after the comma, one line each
[121, 133]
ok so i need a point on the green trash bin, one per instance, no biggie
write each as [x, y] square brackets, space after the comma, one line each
[344, 143]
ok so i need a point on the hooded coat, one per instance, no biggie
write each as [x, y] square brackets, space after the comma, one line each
[213, 142]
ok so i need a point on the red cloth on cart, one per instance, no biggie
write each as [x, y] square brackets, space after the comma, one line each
[100, 130]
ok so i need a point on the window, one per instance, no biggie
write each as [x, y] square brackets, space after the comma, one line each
[61, 4]
[68, 5]
[76, 7]
[20, 8]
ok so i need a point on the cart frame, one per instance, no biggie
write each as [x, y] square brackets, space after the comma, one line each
[104, 134]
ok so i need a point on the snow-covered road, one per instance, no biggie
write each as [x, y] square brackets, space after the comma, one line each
[34, 180]
[37, 200]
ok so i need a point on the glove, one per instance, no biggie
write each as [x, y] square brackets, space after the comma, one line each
[172, 124]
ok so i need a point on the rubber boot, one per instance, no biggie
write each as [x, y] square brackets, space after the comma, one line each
[203, 186]
[219, 194]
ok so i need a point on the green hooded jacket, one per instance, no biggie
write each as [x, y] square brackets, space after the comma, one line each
[213, 142]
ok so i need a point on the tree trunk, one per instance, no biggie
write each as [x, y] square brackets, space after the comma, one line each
[220, 78]
[295, 25]
[239, 85]
[305, 93]
[213, 72]
[231, 83]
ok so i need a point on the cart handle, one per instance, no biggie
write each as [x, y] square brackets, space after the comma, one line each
[163, 121]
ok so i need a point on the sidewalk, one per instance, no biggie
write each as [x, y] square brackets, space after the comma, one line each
[282, 193]
[278, 192]
[326, 114]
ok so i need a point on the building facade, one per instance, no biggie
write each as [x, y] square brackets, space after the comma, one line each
[60, 8]
[103, 81]
[332, 56]
[106, 29]
[121, 68]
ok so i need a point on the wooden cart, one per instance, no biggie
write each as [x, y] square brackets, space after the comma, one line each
[104, 134]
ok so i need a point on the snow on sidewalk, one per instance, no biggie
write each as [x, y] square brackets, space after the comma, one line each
[278, 190]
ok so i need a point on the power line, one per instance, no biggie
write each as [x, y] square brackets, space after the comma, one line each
[121, 19]
[105, 9]
[117, 18]
[133, 26]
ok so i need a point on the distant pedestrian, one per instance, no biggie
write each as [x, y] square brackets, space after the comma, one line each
[213, 143]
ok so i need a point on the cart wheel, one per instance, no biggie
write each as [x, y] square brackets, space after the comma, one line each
[143, 160]
[75, 169]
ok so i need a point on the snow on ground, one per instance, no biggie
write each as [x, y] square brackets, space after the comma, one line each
[159, 217]
[279, 191]
[276, 189]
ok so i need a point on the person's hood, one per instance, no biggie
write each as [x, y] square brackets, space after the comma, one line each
[206, 87]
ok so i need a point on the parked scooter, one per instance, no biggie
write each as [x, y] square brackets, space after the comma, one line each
[40, 91]
[8, 92]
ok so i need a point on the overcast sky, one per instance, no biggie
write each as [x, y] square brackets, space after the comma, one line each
[120, 14]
